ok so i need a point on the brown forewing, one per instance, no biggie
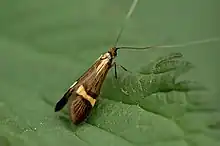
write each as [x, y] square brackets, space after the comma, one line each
[79, 109]
[92, 81]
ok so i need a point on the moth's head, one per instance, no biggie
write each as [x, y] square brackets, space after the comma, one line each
[113, 52]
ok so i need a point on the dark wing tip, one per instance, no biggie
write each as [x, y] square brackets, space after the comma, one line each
[61, 103]
[57, 107]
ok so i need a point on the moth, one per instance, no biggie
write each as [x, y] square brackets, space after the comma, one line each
[86, 89]
[82, 94]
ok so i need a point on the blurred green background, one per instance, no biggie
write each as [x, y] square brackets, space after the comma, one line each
[45, 45]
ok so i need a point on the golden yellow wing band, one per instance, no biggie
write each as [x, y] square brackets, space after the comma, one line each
[81, 91]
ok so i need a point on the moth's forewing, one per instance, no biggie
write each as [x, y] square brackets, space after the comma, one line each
[79, 109]
[83, 79]
[94, 81]
[91, 80]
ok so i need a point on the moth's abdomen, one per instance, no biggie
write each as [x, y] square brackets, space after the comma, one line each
[79, 109]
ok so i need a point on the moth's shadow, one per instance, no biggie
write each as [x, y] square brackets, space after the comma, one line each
[4, 141]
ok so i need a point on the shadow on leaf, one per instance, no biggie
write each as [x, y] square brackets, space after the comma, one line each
[4, 141]
[67, 123]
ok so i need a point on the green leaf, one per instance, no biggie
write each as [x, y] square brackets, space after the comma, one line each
[162, 64]
[46, 45]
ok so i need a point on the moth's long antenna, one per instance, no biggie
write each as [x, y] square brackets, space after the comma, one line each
[173, 46]
[126, 18]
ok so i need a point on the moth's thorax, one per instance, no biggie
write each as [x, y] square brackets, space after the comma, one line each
[105, 60]
[113, 52]
[106, 56]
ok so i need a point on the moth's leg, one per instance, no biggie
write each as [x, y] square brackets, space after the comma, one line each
[114, 64]
[124, 68]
